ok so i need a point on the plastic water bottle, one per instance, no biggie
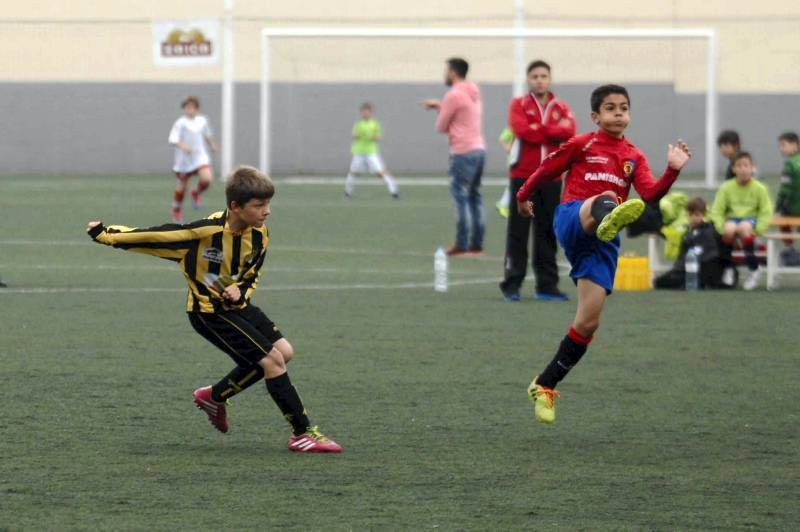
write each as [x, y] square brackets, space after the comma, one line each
[440, 270]
[692, 267]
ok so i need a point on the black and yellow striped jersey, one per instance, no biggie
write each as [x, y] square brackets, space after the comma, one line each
[210, 255]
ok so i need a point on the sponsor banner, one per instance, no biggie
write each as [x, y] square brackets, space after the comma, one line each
[186, 42]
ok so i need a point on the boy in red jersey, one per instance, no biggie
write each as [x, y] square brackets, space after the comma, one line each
[601, 167]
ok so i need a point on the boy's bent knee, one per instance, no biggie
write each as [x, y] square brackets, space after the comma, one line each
[285, 348]
[274, 363]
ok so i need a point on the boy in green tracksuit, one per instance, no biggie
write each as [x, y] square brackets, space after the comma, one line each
[742, 210]
[787, 202]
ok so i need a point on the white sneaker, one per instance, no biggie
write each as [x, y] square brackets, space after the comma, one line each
[728, 276]
[753, 277]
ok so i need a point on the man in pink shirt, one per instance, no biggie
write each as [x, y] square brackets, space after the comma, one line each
[460, 116]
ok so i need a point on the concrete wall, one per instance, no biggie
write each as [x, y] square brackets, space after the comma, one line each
[90, 40]
[80, 93]
[102, 128]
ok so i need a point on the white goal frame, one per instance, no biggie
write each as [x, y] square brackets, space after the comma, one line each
[268, 34]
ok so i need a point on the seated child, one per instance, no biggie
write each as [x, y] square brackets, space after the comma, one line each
[742, 210]
[701, 236]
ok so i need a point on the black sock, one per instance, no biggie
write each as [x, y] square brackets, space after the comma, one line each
[572, 348]
[750, 255]
[601, 206]
[285, 396]
[236, 381]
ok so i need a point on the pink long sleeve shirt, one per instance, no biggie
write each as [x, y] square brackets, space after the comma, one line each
[460, 116]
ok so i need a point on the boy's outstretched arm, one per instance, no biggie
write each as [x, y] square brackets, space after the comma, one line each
[169, 241]
[652, 189]
[551, 168]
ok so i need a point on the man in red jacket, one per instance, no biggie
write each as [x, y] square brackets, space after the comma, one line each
[540, 122]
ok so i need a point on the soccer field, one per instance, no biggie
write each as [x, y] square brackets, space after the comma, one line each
[683, 415]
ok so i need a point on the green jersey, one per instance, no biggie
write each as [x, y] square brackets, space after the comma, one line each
[742, 201]
[788, 201]
[366, 134]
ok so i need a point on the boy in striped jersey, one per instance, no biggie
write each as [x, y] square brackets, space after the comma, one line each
[221, 257]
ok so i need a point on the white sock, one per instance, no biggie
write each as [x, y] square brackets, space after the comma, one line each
[391, 183]
[349, 184]
[505, 199]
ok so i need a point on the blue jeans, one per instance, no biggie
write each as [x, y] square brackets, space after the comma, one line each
[466, 170]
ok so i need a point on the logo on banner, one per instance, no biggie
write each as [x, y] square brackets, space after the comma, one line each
[185, 42]
[191, 43]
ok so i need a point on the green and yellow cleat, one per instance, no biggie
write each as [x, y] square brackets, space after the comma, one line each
[543, 402]
[502, 209]
[622, 215]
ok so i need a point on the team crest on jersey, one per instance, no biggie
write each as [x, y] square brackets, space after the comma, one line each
[556, 115]
[628, 167]
[213, 255]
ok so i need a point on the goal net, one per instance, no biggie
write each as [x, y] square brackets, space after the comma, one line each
[313, 80]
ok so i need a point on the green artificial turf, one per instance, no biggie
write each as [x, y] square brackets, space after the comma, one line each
[683, 415]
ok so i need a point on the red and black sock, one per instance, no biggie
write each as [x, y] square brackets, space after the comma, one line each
[749, 246]
[177, 199]
[286, 397]
[237, 381]
[572, 348]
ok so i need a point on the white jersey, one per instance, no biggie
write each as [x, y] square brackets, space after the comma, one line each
[193, 133]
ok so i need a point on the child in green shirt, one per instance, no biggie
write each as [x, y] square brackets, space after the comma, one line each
[366, 158]
[788, 201]
[742, 210]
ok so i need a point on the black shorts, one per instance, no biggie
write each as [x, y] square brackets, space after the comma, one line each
[246, 335]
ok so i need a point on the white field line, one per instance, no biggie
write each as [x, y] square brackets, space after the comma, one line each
[370, 180]
[291, 249]
[266, 270]
[317, 287]
[272, 248]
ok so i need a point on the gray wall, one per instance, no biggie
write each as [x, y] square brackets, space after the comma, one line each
[108, 128]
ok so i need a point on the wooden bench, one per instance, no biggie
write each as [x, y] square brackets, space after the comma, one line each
[772, 239]
[657, 264]
[774, 267]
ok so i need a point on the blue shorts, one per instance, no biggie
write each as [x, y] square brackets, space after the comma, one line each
[747, 219]
[589, 257]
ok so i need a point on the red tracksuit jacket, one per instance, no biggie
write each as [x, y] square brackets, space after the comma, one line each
[533, 145]
[596, 162]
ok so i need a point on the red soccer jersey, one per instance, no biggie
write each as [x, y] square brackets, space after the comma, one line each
[595, 163]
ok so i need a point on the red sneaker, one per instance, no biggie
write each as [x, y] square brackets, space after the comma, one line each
[197, 201]
[455, 251]
[313, 441]
[216, 412]
[177, 216]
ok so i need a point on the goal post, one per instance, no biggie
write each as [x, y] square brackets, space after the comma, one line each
[709, 35]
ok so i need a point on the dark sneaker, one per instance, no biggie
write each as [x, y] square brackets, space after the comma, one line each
[551, 295]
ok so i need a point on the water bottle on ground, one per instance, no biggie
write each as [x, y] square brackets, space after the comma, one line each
[692, 266]
[440, 270]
